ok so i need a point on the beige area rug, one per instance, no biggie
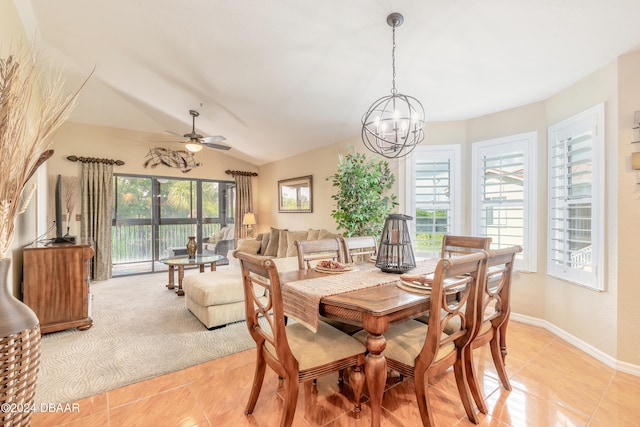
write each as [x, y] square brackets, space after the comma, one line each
[140, 330]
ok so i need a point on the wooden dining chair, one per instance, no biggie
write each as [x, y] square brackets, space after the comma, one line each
[461, 245]
[294, 352]
[312, 251]
[492, 311]
[453, 246]
[422, 351]
[357, 248]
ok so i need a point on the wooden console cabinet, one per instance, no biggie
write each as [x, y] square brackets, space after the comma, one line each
[56, 285]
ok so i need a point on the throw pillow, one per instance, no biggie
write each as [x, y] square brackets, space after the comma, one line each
[292, 236]
[216, 237]
[326, 234]
[250, 246]
[274, 239]
[229, 232]
[313, 234]
[282, 244]
[264, 243]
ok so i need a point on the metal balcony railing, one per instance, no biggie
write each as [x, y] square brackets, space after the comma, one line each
[134, 243]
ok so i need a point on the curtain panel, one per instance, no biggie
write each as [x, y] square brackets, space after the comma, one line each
[97, 201]
[244, 204]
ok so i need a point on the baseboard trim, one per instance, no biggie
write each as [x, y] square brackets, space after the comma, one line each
[587, 348]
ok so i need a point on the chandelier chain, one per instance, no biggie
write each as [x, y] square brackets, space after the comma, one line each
[393, 62]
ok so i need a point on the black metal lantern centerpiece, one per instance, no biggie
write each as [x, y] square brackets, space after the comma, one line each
[395, 254]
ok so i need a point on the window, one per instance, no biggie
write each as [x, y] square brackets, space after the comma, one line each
[154, 216]
[576, 199]
[434, 183]
[503, 207]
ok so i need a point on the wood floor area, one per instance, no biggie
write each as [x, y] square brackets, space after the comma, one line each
[554, 384]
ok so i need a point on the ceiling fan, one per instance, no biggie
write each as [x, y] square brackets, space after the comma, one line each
[197, 141]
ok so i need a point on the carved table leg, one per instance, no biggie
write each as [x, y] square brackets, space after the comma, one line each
[213, 266]
[171, 284]
[201, 268]
[375, 371]
[180, 277]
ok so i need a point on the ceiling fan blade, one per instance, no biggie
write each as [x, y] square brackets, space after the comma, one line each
[174, 133]
[216, 146]
[215, 138]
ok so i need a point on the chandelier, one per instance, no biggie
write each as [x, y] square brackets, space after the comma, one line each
[393, 125]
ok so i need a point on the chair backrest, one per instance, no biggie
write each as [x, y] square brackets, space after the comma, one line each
[464, 274]
[311, 251]
[356, 248]
[259, 272]
[494, 303]
[462, 245]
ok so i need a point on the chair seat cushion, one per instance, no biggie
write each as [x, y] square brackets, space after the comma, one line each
[321, 348]
[405, 341]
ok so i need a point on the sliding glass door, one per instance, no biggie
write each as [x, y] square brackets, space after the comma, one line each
[153, 218]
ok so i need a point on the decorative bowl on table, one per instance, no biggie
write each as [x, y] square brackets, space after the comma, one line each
[333, 267]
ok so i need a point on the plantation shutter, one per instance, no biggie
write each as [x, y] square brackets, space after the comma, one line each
[504, 202]
[502, 198]
[575, 207]
[433, 201]
[570, 210]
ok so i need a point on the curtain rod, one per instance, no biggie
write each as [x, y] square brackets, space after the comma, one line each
[234, 173]
[95, 160]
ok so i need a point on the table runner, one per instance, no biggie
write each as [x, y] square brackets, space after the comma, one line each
[301, 298]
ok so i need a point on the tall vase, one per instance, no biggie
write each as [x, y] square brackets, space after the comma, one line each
[192, 246]
[19, 355]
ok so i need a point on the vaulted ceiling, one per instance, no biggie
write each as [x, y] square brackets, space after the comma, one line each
[281, 77]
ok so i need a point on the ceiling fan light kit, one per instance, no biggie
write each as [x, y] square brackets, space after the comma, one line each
[394, 124]
[194, 147]
[196, 141]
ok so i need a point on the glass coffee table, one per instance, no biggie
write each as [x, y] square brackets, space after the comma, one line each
[183, 261]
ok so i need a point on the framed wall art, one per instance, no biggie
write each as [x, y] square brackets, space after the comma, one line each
[295, 194]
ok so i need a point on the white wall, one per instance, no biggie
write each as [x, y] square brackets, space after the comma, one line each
[627, 247]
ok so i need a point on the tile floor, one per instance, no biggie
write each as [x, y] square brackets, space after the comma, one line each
[554, 384]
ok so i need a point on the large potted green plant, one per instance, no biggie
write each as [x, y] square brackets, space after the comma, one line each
[361, 203]
[25, 130]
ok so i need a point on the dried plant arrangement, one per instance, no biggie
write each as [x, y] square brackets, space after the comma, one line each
[26, 126]
[70, 186]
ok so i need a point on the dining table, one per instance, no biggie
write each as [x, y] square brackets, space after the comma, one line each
[365, 297]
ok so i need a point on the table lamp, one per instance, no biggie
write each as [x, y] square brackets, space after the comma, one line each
[249, 220]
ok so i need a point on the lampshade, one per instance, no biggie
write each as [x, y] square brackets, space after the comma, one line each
[395, 254]
[194, 147]
[393, 125]
[249, 219]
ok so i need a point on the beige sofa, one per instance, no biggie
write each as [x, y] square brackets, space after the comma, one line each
[216, 298]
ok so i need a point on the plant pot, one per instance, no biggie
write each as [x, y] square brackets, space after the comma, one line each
[19, 354]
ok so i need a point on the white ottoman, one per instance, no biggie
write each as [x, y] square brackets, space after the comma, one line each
[216, 297]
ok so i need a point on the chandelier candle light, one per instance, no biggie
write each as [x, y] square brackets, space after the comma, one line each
[393, 125]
